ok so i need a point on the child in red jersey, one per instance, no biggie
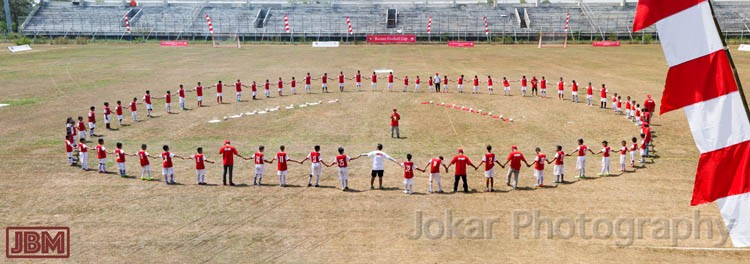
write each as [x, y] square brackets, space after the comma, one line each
[409, 168]
[200, 166]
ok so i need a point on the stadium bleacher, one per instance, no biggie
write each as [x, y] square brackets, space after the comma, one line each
[182, 18]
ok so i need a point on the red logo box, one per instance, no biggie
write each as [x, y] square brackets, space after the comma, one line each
[37, 242]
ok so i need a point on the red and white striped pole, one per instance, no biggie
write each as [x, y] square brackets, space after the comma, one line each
[210, 25]
[567, 19]
[429, 25]
[486, 26]
[349, 23]
[286, 23]
[127, 23]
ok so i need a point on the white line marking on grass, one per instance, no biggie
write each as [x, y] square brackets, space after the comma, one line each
[3, 105]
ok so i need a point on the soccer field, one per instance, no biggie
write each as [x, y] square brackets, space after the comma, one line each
[114, 219]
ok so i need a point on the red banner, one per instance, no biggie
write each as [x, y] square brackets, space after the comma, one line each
[408, 38]
[173, 43]
[462, 44]
[605, 43]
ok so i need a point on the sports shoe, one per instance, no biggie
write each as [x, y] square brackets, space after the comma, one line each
[309, 185]
[143, 178]
[372, 187]
[172, 182]
[405, 191]
[231, 184]
[317, 185]
[486, 189]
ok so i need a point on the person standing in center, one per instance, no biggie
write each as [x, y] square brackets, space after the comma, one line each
[461, 161]
[377, 165]
[228, 152]
[395, 117]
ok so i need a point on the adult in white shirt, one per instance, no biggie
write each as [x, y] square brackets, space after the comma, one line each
[437, 82]
[378, 157]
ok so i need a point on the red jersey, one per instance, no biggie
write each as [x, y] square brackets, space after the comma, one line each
[342, 161]
[219, 87]
[293, 83]
[167, 98]
[460, 80]
[167, 159]
[147, 98]
[238, 86]
[435, 165]
[515, 159]
[408, 169]
[133, 106]
[107, 110]
[314, 157]
[534, 82]
[543, 84]
[523, 82]
[589, 90]
[199, 90]
[101, 152]
[119, 155]
[324, 79]
[429, 81]
[634, 147]
[417, 81]
[559, 156]
[280, 84]
[358, 77]
[476, 82]
[445, 80]
[627, 105]
[581, 149]
[92, 117]
[649, 104]
[506, 83]
[118, 109]
[489, 81]
[606, 151]
[258, 157]
[82, 127]
[575, 87]
[619, 103]
[461, 161]
[603, 93]
[282, 158]
[267, 85]
[406, 80]
[143, 156]
[68, 146]
[374, 78]
[181, 92]
[489, 161]
[341, 78]
[307, 79]
[560, 86]
[623, 150]
[253, 87]
[395, 117]
[390, 78]
[83, 148]
[199, 161]
[227, 153]
[637, 113]
[541, 158]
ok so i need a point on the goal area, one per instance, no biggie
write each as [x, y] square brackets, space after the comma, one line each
[225, 40]
[553, 39]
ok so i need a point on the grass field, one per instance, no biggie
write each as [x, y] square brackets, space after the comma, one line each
[126, 220]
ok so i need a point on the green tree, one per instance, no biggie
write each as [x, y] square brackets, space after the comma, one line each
[18, 9]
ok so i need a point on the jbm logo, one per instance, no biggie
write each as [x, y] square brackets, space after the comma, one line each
[37, 242]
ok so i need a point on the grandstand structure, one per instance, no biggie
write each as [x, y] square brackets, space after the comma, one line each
[325, 20]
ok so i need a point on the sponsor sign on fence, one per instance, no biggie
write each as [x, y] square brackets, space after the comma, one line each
[173, 43]
[325, 44]
[461, 44]
[605, 43]
[407, 38]
[15, 49]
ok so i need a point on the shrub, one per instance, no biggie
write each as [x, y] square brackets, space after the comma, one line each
[82, 40]
[60, 41]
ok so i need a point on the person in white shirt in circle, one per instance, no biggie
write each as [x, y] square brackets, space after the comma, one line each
[378, 157]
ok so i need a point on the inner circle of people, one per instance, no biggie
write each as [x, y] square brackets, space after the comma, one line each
[77, 134]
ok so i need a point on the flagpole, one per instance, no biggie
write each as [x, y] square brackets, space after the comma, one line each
[731, 61]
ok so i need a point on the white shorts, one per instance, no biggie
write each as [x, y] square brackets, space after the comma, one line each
[134, 114]
[259, 169]
[279, 89]
[146, 168]
[316, 169]
[523, 88]
[149, 107]
[460, 86]
[632, 155]
[343, 174]
[489, 173]
[358, 84]
[182, 100]
[622, 158]
[307, 86]
[200, 98]
[409, 181]
[605, 161]
[416, 86]
[603, 100]
[341, 85]
[119, 117]
[559, 169]
[390, 85]
[254, 93]
[489, 87]
[239, 93]
[506, 88]
[102, 161]
[106, 119]
[167, 171]
[588, 96]
[434, 176]
[581, 162]
[200, 172]
[544, 90]
[325, 85]
[560, 92]
[121, 165]
[281, 173]
[538, 173]
[92, 125]
[574, 93]
[373, 84]
[476, 88]
[219, 94]
[643, 152]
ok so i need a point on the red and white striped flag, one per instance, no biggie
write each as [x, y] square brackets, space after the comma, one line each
[210, 25]
[127, 23]
[286, 23]
[486, 26]
[429, 24]
[349, 23]
[702, 82]
[567, 20]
